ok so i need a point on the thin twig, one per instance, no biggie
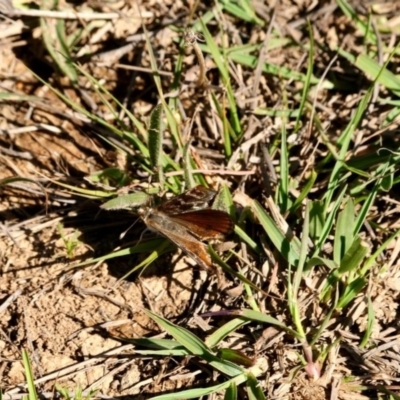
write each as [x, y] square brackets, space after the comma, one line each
[10, 300]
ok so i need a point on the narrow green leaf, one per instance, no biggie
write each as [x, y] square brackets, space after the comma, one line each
[187, 166]
[370, 324]
[153, 343]
[388, 179]
[248, 240]
[196, 346]
[254, 390]
[157, 247]
[227, 131]
[354, 256]
[375, 71]
[178, 352]
[223, 201]
[155, 136]
[200, 392]
[284, 175]
[344, 231]
[344, 141]
[231, 392]
[91, 194]
[282, 72]
[329, 222]
[290, 249]
[265, 319]
[307, 82]
[222, 64]
[29, 376]
[183, 336]
[126, 201]
[235, 356]
[304, 192]
[317, 218]
[312, 262]
[369, 201]
[242, 10]
[351, 291]
[303, 251]
[231, 271]
[349, 11]
[221, 333]
[370, 262]
[65, 61]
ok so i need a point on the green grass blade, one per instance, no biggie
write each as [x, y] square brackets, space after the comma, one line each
[223, 201]
[155, 137]
[282, 72]
[304, 192]
[321, 261]
[290, 249]
[328, 225]
[351, 292]
[195, 346]
[370, 262]
[221, 63]
[265, 319]
[307, 82]
[30, 380]
[293, 288]
[369, 201]
[254, 390]
[235, 356]
[284, 175]
[156, 247]
[187, 167]
[242, 10]
[231, 271]
[231, 392]
[248, 240]
[157, 80]
[351, 13]
[228, 132]
[225, 330]
[370, 324]
[155, 344]
[354, 256]
[344, 235]
[344, 141]
[184, 337]
[155, 142]
[201, 392]
[126, 201]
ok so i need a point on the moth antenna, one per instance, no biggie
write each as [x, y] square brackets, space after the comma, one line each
[122, 235]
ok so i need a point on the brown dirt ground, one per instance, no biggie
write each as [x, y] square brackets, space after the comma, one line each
[67, 318]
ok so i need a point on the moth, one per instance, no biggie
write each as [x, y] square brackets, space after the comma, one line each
[187, 220]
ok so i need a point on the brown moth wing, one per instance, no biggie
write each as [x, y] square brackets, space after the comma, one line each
[193, 248]
[179, 235]
[206, 224]
[194, 199]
